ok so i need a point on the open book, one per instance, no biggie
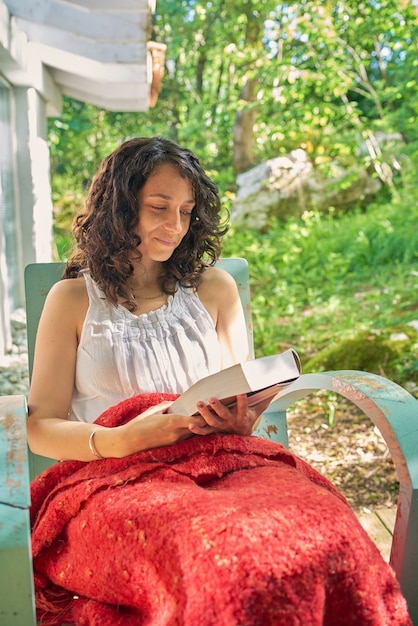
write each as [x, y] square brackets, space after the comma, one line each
[261, 379]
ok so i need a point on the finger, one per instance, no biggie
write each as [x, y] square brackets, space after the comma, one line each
[214, 413]
[203, 430]
[243, 407]
[197, 420]
[242, 403]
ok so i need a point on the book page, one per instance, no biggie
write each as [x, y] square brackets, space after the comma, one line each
[258, 375]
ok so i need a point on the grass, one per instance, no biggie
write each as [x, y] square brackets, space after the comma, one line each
[321, 280]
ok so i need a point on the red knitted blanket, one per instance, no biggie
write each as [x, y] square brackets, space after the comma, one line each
[213, 531]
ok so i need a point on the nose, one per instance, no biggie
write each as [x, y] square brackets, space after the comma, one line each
[173, 221]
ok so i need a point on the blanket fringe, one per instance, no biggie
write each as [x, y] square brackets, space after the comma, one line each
[54, 607]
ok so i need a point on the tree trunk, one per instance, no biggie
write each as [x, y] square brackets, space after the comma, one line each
[243, 150]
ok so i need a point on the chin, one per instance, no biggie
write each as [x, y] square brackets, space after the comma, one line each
[162, 257]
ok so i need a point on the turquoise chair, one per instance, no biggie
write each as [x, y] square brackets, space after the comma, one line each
[392, 409]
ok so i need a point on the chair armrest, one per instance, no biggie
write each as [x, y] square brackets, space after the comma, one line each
[17, 606]
[394, 412]
[14, 484]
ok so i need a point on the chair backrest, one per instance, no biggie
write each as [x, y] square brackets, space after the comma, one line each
[40, 277]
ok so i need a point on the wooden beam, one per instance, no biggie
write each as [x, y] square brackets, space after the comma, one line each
[379, 532]
[100, 51]
[109, 5]
[116, 25]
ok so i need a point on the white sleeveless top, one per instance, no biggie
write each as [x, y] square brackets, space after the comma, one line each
[121, 354]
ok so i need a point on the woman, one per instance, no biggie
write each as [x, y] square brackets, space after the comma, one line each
[152, 216]
[170, 527]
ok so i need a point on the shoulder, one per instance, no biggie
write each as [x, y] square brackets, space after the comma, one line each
[216, 282]
[217, 276]
[218, 292]
[67, 302]
[68, 290]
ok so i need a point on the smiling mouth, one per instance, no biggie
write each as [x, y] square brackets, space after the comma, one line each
[166, 242]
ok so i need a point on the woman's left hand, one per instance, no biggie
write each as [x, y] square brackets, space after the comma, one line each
[238, 420]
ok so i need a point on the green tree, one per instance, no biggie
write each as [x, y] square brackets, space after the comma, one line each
[250, 80]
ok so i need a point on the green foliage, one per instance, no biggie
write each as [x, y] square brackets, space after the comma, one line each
[323, 76]
[321, 281]
[384, 352]
[320, 75]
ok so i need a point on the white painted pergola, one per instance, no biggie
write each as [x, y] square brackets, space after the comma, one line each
[96, 51]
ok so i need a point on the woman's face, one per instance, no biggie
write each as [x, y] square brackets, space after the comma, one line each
[165, 205]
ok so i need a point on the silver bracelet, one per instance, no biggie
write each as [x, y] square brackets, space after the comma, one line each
[92, 447]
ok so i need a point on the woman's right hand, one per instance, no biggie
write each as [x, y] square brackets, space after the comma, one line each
[153, 428]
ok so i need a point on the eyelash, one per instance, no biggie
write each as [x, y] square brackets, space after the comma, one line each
[162, 208]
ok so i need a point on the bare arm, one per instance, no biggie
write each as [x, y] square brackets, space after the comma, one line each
[220, 296]
[53, 372]
[49, 431]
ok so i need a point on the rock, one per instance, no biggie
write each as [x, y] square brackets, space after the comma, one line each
[290, 185]
[379, 351]
[14, 376]
[18, 320]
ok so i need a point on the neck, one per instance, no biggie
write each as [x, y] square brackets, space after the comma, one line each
[146, 278]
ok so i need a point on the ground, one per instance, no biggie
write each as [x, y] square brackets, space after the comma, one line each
[342, 443]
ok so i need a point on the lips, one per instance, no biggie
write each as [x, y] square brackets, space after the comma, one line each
[166, 242]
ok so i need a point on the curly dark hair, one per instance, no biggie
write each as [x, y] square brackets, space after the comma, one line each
[105, 236]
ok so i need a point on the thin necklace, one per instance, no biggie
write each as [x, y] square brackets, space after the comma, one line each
[160, 295]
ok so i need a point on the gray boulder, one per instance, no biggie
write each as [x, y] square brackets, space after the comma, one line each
[289, 185]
